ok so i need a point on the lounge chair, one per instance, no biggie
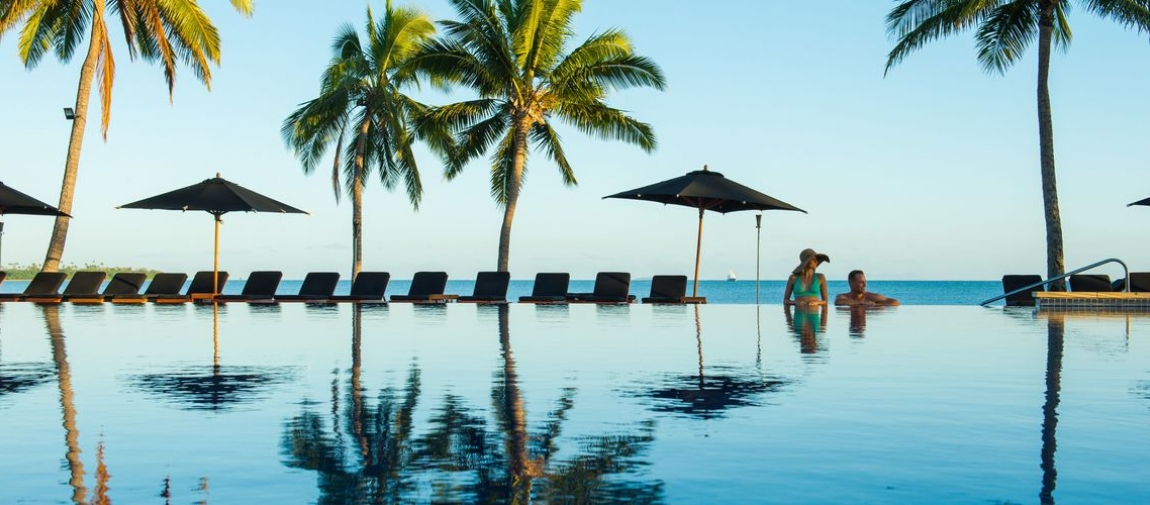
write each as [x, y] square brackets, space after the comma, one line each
[123, 283]
[368, 287]
[548, 288]
[44, 284]
[426, 287]
[1025, 298]
[671, 289]
[82, 284]
[610, 287]
[1139, 282]
[260, 287]
[166, 285]
[1091, 283]
[202, 288]
[317, 286]
[490, 287]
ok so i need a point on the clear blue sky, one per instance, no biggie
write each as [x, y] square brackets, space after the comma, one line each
[928, 173]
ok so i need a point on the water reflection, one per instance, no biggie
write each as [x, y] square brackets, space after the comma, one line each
[707, 394]
[807, 322]
[460, 457]
[216, 387]
[67, 405]
[1055, 331]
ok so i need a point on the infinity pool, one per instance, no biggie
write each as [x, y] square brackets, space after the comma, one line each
[646, 404]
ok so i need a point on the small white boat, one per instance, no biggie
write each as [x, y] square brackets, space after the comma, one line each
[731, 276]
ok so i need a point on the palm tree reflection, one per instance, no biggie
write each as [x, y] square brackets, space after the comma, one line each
[459, 458]
[64, 375]
[1055, 330]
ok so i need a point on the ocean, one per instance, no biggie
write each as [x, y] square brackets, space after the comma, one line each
[724, 292]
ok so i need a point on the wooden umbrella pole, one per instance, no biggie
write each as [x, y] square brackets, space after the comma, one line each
[698, 249]
[216, 261]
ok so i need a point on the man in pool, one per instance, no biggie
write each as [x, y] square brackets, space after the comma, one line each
[858, 294]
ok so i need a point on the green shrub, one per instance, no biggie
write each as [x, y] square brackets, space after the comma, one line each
[26, 272]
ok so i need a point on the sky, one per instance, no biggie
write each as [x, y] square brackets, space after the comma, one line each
[927, 173]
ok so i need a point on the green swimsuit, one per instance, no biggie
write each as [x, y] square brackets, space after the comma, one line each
[812, 291]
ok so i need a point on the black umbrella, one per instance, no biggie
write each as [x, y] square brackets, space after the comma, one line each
[217, 197]
[705, 190]
[1144, 201]
[15, 202]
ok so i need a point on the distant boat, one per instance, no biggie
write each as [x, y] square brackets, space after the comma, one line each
[731, 276]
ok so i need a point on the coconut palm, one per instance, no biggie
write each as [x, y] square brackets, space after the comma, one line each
[510, 52]
[168, 32]
[1004, 30]
[362, 91]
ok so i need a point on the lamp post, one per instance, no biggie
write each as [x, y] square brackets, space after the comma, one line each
[758, 246]
[69, 114]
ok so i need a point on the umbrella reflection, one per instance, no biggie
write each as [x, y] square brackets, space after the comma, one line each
[708, 393]
[214, 388]
[20, 377]
[459, 456]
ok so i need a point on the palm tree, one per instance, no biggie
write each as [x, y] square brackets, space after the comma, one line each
[510, 52]
[1005, 29]
[170, 32]
[362, 90]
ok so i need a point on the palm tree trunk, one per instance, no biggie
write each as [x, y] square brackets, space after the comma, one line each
[513, 193]
[1054, 261]
[357, 199]
[75, 143]
[519, 464]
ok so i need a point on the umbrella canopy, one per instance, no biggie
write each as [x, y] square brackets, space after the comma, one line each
[217, 197]
[705, 190]
[1144, 201]
[15, 202]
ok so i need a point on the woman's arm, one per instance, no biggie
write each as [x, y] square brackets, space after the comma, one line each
[787, 292]
[823, 286]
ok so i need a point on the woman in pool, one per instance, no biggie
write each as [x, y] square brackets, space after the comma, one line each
[808, 287]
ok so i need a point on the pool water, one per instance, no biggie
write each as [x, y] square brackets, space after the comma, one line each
[571, 404]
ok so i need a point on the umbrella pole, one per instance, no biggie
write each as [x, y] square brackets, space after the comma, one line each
[758, 248]
[216, 261]
[698, 249]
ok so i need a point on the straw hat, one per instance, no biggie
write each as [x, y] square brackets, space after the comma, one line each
[806, 256]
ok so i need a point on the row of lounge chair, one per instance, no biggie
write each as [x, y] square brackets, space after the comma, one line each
[319, 287]
[1087, 283]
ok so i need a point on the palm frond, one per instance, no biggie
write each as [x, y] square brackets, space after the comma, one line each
[918, 22]
[607, 123]
[105, 71]
[548, 139]
[502, 167]
[1132, 14]
[1005, 34]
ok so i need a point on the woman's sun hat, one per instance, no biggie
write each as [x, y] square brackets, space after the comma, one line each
[806, 255]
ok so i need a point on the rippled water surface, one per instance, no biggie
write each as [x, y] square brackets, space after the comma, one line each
[647, 404]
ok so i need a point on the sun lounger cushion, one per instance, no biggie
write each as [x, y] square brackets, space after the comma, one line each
[548, 288]
[83, 284]
[1139, 283]
[162, 284]
[1090, 283]
[1025, 298]
[667, 289]
[43, 284]
[367, 287]
[489, 287]
[610, 287]
[316, 286]
[260, 285]
[201, 287]
[425, 286]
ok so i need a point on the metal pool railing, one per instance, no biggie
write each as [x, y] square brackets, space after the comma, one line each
[1065, 275]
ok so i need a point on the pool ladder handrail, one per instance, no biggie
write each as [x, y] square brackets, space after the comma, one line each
[1126, 288]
